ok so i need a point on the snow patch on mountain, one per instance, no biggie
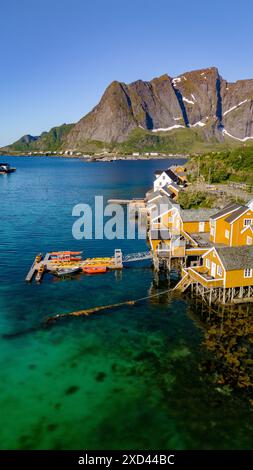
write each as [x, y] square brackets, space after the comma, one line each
[176, 80]
[188, 101]
[235, 107]
[199, 123]
[165, 129]
[236, 138]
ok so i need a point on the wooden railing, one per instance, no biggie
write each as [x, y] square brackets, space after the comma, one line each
[198, 275]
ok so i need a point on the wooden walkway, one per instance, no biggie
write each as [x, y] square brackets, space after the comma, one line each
[35, 269]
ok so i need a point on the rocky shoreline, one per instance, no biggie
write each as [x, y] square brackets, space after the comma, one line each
[97, 158]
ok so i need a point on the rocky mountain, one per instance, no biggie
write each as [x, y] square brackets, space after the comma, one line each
[200, 100]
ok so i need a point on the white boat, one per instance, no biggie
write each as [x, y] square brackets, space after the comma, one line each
[61, 272]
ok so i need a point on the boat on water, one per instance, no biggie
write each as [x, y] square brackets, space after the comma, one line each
[61, 272]
[94, 269]
[5, 168]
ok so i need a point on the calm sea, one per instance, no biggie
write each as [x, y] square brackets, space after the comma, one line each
[136, 377]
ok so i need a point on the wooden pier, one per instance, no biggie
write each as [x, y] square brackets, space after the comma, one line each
[31, 272]
[49, 263]
[136, 202]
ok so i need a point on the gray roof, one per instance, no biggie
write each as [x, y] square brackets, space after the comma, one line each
[169, 173]
[236, 257]
[153, 194]
[197, 215]
[236, 214]
[166, 191]
[160, 234]
[202, 239]
[228, 208]
[160, 206]
[174, 185]
[151, 190]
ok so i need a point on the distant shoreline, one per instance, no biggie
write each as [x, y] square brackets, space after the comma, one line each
[102, 158]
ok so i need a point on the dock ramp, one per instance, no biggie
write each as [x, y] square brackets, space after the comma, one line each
[184, 283]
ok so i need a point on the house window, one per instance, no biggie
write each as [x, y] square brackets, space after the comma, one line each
[247, 222]
[208, 263]
[163, 177]
[249, 241]
[219, 271]
[227, 233]
[247, 272]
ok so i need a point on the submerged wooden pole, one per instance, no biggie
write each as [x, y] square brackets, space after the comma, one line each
[89, 311]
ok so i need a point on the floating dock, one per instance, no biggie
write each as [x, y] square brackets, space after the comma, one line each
[53, 261]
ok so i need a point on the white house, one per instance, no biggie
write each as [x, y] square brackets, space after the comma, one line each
[164, 178]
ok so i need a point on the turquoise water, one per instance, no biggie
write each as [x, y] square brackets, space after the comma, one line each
[136, 377]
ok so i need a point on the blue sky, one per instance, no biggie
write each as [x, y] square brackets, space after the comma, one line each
[58, 56]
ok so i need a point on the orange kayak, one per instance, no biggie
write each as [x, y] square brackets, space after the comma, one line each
[62, 253]
[94, 269]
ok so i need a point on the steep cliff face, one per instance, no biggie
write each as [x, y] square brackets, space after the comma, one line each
[154, 103]
[237, 109]
[111, 120]
[124, 107]
[201, 99]
[199, 92]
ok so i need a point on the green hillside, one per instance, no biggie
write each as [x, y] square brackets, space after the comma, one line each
[177, 141]
[52, 140]
[232, 165]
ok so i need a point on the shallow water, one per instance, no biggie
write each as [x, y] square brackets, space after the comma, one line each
[134, 377]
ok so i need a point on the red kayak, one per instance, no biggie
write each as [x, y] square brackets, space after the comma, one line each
[94, 269]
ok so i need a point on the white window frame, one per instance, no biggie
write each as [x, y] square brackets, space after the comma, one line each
[219, 270]
[247, 273]
[208, 263]
[201, 226]
[227, 234]
[249, 240]
[247, 222]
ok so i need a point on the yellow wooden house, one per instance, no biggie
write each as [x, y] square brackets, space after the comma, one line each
[194, 220]
[227, 267]
[186, 231]
[231, 226]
